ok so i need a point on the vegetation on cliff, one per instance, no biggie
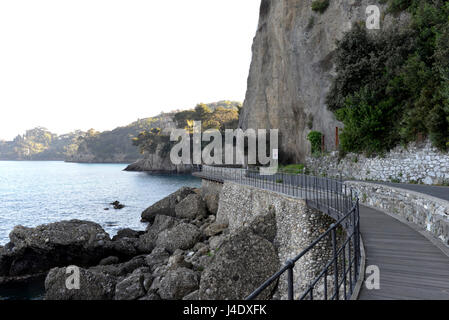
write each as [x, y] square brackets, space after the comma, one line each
[393, 87]
[39, 144]
[220, 115]
[115, 145]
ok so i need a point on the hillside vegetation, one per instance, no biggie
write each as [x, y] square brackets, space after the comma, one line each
[39, 144]
[120, 144]
[393, 88]
[221, 116]
[115, 145]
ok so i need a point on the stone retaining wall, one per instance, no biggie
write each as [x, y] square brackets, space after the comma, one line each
[417, 163]
[429, 213]
[296, 227]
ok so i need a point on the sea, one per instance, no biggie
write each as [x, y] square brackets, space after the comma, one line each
[40, 192]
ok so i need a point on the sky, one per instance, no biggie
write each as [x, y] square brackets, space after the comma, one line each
[81, 64]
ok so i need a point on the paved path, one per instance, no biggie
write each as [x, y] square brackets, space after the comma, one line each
[411, 267]
[435, 191]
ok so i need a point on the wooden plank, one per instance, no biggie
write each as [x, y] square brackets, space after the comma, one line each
[411, 267]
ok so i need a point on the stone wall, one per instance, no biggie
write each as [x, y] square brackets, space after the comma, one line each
[420, 163]
[427, 212]
[296, 227]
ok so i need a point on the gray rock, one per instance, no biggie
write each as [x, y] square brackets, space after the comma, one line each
[159, 256]
[151, 296]
[35, 250]
[265, 225]
[192, 296]
[122, 269]
[125, 247]
[159, 161]
[147, 241]
[167, 205]
[198, 246]
[160, 271]
[191, 207]
[201, 258]
[182, 236]
[178, 283]
[109, 260]
[133, 287]
[93, 286]
[215, 229]
[212, 200]
[127, 233]
[243, 262]
[178, 261]
[215, 242]
[162, 223]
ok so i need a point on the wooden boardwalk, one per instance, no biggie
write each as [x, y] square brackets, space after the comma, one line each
[411, 267]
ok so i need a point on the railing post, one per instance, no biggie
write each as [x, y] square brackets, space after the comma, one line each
[290, 279]
[358, 234]
[356, 251]
[335, 257]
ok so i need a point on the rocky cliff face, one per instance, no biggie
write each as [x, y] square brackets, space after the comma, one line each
[90, 157]
[292, 69]
[157, 163]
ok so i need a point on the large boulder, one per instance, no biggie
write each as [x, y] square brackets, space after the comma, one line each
[242, 263]
[158, 257]
[191, 207]
[93, 286]
[178, 283]
[122, 269]
[264, 225]
[212, 200]
[167, 205]
[35, 250]
[215, 229]
[147, 241]
[182, 236]
[127, 233]
[134, 286]
[124, 248]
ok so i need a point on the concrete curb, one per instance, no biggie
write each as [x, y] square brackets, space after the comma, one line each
[361, 280]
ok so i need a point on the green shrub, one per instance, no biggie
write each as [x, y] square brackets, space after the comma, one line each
[394, 88]
[315, 140]
[292, 169]
[320, 5]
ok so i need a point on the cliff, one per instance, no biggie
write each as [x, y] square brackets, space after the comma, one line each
[39, 144]
[293, 67]
[115, 146]
[155, 144]
[157, 162]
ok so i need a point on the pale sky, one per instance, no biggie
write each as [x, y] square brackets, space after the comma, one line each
[80, 64]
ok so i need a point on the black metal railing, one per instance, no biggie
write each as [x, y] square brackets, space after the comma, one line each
[337, 277]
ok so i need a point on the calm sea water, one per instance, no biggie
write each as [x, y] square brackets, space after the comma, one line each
[33, 193]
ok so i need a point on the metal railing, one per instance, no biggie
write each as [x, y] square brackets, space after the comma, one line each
[339, 275]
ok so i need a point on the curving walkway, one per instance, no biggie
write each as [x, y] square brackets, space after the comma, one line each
[411, 267]
[434, 191]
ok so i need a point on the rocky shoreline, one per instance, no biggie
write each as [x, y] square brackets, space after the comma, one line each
[183, 254]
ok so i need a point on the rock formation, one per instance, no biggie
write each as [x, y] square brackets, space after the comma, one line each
[292, 69]
[183, 254]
